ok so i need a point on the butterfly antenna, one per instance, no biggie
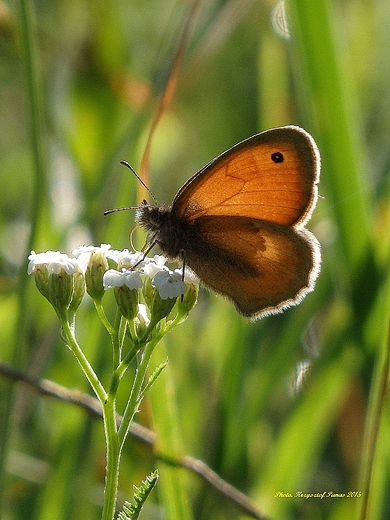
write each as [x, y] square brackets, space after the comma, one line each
[108, 211]
[125, 163]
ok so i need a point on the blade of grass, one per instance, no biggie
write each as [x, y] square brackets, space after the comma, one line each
[330, 101]
[330, 97]
[37, 199]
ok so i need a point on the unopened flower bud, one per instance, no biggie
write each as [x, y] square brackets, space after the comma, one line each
[188, 300]
[78, 290]
[160, 308]
[127, 300]
[148, 292]
[126, 285]
[61, 289]
[54, 276]
[96, 268]
[41, 275]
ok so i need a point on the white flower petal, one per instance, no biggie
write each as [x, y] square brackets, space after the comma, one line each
[55, 262]
[103, 248]
[161, 277]
[83, 260]
[114, 278]
[83, 254]
[133, 280]
[172, 290]
[159, 260]
[113, 254]
[125, 258]
[169, 284]
[143, 313]
[154, 265]
[82, 250]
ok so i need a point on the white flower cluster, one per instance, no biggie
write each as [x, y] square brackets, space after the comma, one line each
[130, 267]
[54, 261]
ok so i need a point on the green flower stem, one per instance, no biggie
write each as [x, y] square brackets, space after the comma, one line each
[115, 438]
[113, 457]
[123, 366]
[132, 403]
[109, 420]
[132, 329]
[171, 324]
[116, 332]
[102, 315]
[83, 361]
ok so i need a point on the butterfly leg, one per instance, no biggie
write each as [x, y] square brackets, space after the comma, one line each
[151, 246]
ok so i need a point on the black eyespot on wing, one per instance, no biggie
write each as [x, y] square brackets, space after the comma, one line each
[277, 157]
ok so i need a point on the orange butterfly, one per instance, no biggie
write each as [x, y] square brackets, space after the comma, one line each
[238, 223]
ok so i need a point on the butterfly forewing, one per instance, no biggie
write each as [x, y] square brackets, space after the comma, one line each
[271, 176]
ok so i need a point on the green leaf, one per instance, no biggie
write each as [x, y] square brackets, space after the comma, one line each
[132, 511]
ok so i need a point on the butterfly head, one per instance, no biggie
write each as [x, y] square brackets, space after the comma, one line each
[150, 216]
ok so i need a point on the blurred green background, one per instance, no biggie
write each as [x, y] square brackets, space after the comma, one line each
[279, 405]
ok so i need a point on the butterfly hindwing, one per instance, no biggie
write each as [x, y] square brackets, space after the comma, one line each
[265, 268]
